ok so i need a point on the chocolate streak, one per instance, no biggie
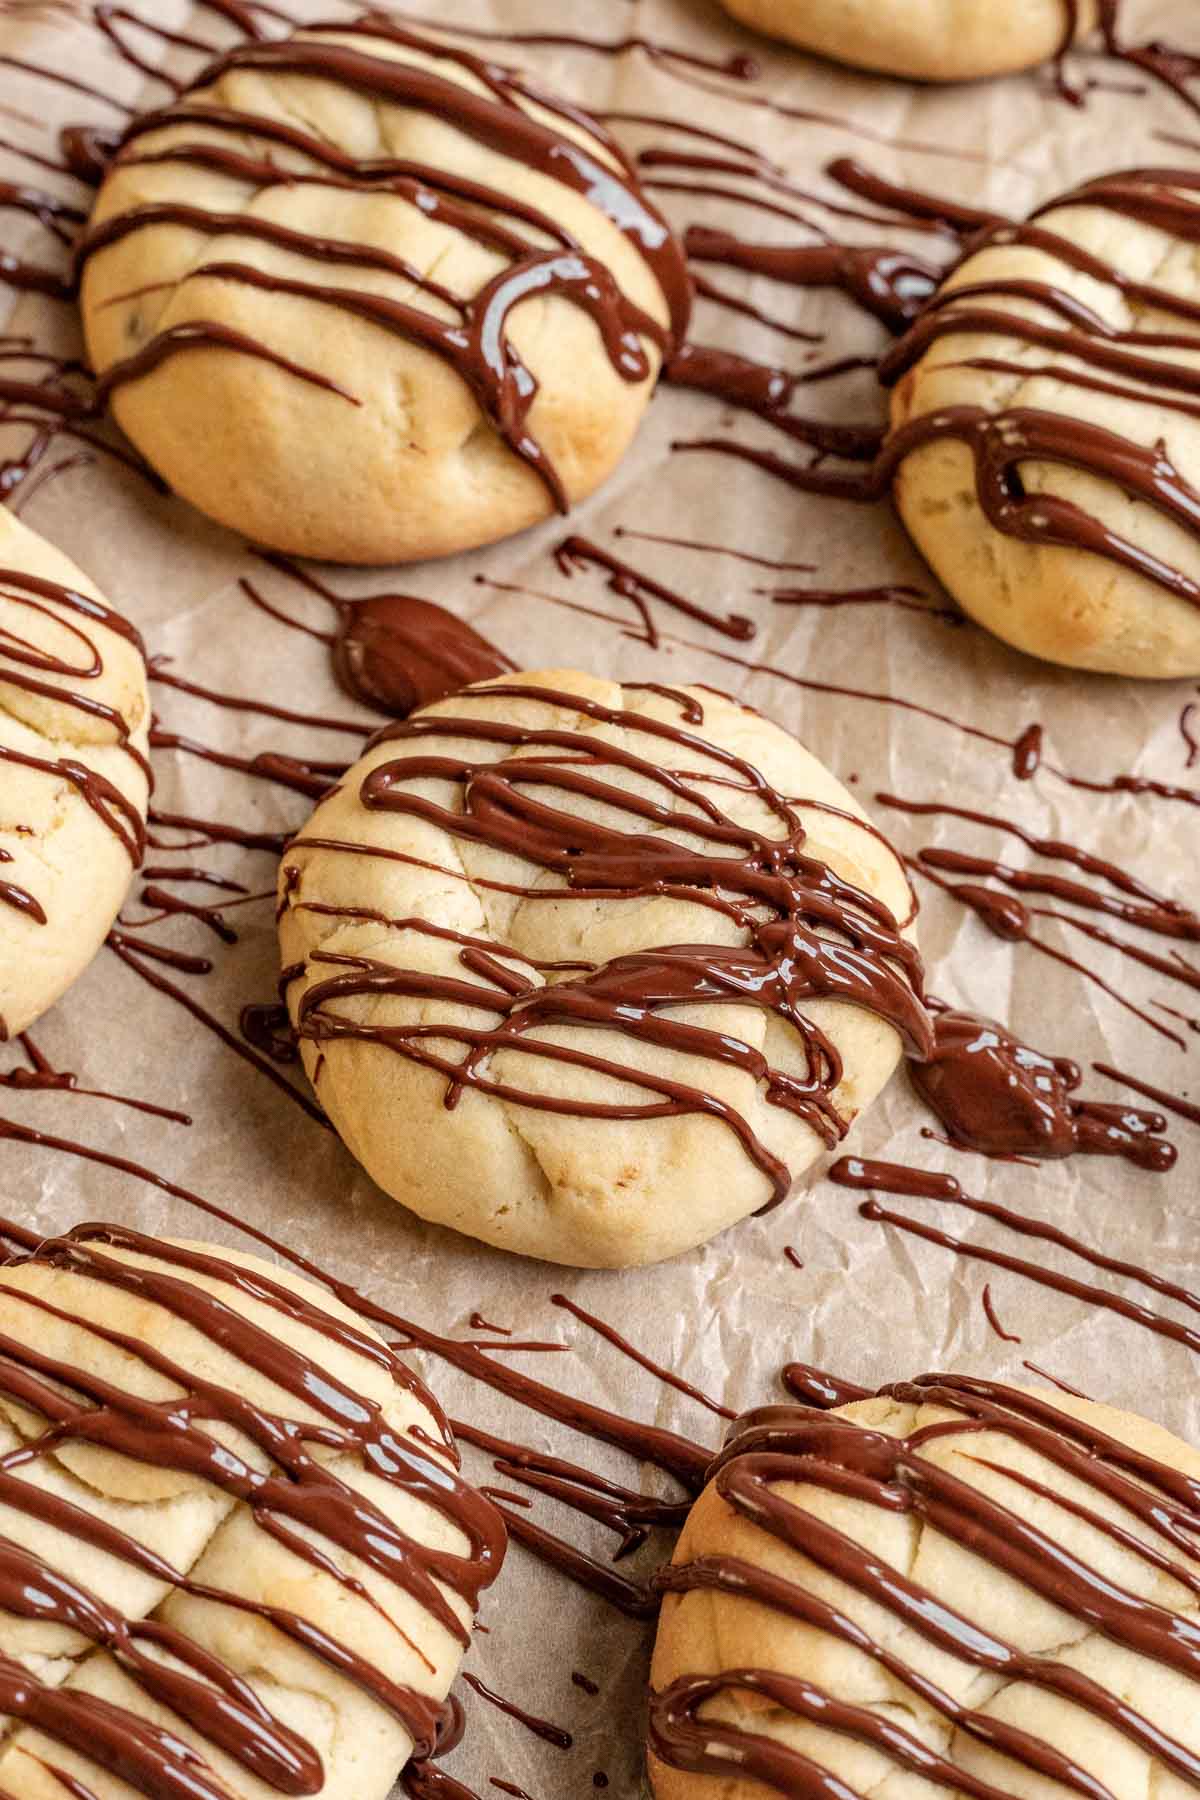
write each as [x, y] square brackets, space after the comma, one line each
[782, 1444]
[299, 1501]
[808, 933]
[473, 340]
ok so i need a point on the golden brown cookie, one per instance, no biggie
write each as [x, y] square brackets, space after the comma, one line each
[954, 1587]
[591, 972]
[1046, 424]
[365, 296]
[925, 40]
[74, 716]
[236, 1556]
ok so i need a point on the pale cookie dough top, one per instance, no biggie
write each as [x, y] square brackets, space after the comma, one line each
[74, 716]
[926, 40]
[590, 973]
[1046, 424]
[956, 1586]
[370, 297]
[236, 1555]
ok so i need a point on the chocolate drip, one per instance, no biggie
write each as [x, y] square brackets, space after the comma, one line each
[299, 1501]
[923, 1184]
[19, 898]
[787, 958]
[474, 341]
[818, 1388]
[1185, 1109]
[398, 652]
[576, 553]
[740, 67]
[1167, 63]
[989, 1308]
[997, 1095]
[888, 283]
[781, 1445]
[768, 392]
[135, 953]
[541, 1728]
[39, 1076]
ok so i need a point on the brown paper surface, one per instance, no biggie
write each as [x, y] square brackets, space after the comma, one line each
[868, 1303]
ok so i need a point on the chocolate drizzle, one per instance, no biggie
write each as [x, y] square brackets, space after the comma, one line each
[995, 1094]
[890, 284]
[1159, 1511]
[473, 340]
[807, 932]
[299, 1500]
[397, 652]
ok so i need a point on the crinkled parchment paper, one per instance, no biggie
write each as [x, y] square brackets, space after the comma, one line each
[873, 1305]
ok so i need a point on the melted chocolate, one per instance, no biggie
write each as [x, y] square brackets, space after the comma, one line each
[989, 1308]
[997, 1095]
[541, 1728]
[890, 284]
[40, 1076]
[786, 960]
[1184, 1109]
[922, 1184]
[622, 1509]
[576, 553]
[136, 954]
[766, 391]
[396, 652]
[1094, 355]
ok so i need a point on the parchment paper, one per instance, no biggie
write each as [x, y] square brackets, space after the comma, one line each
[870, 1304]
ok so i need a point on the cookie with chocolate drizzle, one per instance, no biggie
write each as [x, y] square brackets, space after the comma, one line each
[366, 296]
[74, 775]
[590, 973]
[1045, 436]
[955, 1586]
[237, 1557]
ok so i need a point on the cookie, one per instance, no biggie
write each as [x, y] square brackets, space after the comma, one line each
[237, 1558]
[1046, 428]
[954, 1587]
[74, 779]
[364, 296]
[925, 40]
[590, 973]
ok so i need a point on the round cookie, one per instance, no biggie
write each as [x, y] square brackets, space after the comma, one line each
[160, 1634]
[954, 1587]
[925, 40]
[1046, 428]
[364, 296]
[570, 974]
[74, 715]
